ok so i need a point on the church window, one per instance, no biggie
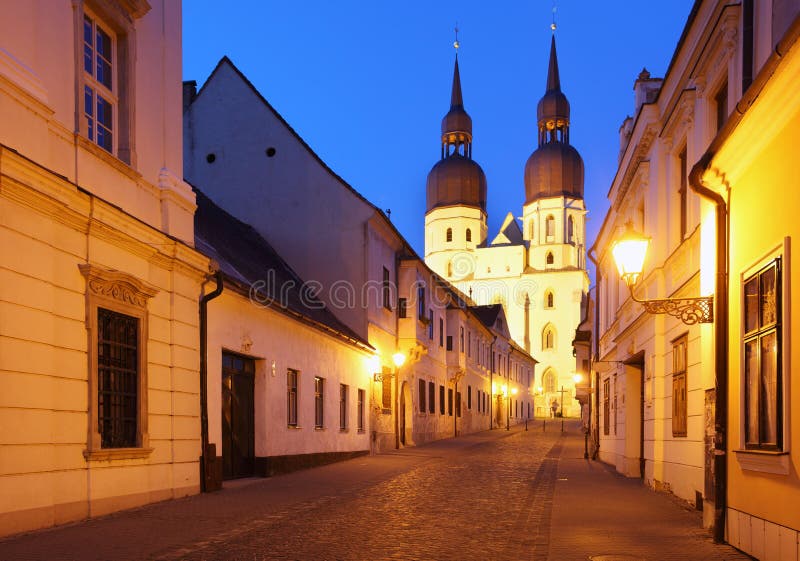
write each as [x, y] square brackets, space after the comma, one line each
[550, 227]
[549, 299]
[549, 259]
[469, 235]
[548, 338]
[449, 235]
[570, 230]
[532, 230]
[549, 381]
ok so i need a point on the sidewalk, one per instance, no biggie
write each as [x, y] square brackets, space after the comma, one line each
[599, 514]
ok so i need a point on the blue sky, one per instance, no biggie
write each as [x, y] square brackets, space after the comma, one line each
[367, 83]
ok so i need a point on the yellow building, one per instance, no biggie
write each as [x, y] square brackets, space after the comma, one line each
[99, 281]
[704, 408]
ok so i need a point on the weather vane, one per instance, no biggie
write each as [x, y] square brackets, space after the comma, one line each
[456, 44]
[553, 25]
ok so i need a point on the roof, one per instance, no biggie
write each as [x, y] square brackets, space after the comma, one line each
[510, 233]
[248, 262]
[487, 314]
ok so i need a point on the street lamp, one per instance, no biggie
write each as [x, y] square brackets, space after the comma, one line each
[629, 252]
[578, 377]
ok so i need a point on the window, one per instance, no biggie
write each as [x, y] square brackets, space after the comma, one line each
[387, 290]
[450, 402]
[386, 390]
[422, 407]
[484, 402]
[118, 320]
[550, 382]
[469, 235]
[682, 191]
[570, 230]
[99, 66]
[421, 303]
[721, 103]
[550, 227]
[117, 378]
[449, 343]
[319, 402]
[361, 410]
[431, 397]
[549, 299]
[762, 358]
[291, 398]
[550, 260]
[461, 339]
[441, 332]
[430, 324]
[532, 231]
[469, 344]
[458, 404]
[548, 338]
[449, 235]
[606, 415]
[679, 414]
[342, 407]
[441, 400]
[402, 307]
[469, 397]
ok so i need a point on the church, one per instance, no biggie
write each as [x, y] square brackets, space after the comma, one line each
[536, 265]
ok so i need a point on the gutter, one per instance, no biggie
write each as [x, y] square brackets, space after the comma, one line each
[204, 456]
[721, 322]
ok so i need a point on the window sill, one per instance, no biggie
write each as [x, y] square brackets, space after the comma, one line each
[763, 461]
[319, 429]
[293, 427]
[108, 157]
[361, 431]
[386, 411]
[109, 454]
[344, 430]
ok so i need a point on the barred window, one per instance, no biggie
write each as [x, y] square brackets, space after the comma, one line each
[117, 378]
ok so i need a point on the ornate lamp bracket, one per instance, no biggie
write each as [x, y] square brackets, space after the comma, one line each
[689, 310]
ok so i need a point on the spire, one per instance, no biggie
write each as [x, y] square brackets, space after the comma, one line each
[553, 81]
[455, 96]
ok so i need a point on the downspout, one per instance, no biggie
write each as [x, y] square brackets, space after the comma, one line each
[596, 351]
[397, 349]
[491, 381]
[204, 459]
[721, 321]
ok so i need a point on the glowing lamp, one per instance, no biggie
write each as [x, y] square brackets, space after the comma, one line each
[629, 252]
[513, 391]
[399, 359]
[578, 378]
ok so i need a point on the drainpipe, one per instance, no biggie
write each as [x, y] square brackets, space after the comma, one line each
[204, 459]
[596, 351]
[491, 380]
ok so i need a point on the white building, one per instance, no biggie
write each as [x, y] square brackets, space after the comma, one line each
[537, 268]
[99, 282]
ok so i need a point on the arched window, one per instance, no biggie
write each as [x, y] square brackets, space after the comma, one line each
[548, 337]
[570, 230]
[532, 230]
[549, 299]
[469, 235]
[449, 268]
[549, 381]
[449, 235]
[550, 227]
[549, 259]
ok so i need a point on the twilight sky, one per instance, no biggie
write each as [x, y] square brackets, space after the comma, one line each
[367, 83]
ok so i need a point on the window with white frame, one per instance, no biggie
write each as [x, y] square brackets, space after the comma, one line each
[762, 352]
[99, 69]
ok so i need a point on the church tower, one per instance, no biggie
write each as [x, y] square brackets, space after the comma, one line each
[554, 213]
[455, 219]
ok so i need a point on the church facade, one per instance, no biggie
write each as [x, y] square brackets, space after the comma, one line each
[536, 267]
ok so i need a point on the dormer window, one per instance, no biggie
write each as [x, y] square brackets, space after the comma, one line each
[449, 235]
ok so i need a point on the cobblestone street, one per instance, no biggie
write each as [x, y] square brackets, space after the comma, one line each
[494, 495]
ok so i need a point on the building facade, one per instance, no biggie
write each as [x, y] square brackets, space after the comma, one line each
[100, 280]
[703, 409]
[537, 268]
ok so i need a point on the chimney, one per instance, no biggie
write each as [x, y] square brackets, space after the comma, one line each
[645, 89]
[189, 93]
[625, 131]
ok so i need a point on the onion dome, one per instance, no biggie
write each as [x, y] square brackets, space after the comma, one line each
[555, 168]
[456, 180]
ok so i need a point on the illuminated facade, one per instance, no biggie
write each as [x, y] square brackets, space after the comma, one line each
[709, 146]
[537, 268]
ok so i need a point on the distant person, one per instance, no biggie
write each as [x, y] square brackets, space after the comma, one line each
[554, 407]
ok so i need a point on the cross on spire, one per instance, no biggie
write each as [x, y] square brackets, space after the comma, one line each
[456, 44]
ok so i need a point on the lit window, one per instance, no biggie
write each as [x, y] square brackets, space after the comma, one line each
[762, 359]
[99, 83]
